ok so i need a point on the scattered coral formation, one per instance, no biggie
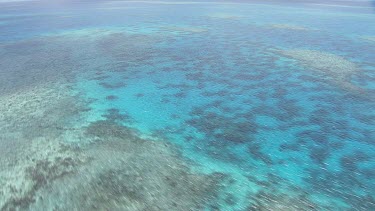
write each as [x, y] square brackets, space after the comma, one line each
[55, 158]
[118, 171]
[48, 155]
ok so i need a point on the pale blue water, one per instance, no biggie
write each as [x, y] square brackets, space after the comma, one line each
[277, 98]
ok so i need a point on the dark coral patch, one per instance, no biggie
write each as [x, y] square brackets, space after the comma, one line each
[350, 162]
[165, 100]
[138, 95]
[289, 147]
[114, 115]
[232, 135]
[319, 154]
[175, 116]
[256, 152]
[112, 86]
[111, 97]
[100, 77]
[180, 95]
[314, 136]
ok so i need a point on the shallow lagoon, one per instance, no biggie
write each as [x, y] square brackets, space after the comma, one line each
[114, 105]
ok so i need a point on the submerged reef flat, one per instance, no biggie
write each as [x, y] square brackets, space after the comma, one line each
[29, 63]
[326, 62]
[289, 27]
[115, 170]
[224, 16]
[118, 170]
[146, 109]
[128, 49]
[369, 38]
[338, 68]
[53, 158]
[32, 155]
[130, 173]
[184, 29]
[32, 166]
[41, 109]
[264, 201]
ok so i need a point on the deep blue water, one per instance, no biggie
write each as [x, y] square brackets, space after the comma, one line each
[274, 100]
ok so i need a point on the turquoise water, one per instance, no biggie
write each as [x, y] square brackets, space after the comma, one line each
[114, 105]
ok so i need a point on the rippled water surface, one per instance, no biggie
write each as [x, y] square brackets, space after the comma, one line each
[114, 105]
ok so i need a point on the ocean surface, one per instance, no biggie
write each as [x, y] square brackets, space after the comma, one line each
[187, 105]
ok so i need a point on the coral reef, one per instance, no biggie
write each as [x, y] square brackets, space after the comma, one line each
[117, 85]
[265, 201]
[224, 16]
[183, 29]
[128, 173]
[30, 166]
[51, 161]
[338, 68]
[329, 63]
[32, 125]
[116, 170]
[41, 109]
[369, 38]
[111, 97]
[49, 61]
[231, 103]
[289, 27]
[128, 48]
